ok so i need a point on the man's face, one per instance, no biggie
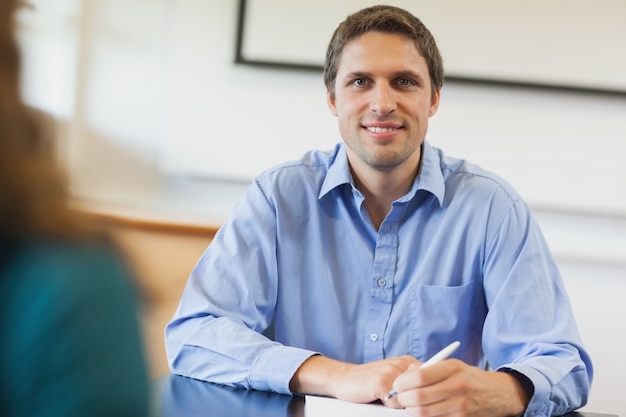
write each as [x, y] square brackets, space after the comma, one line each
[383, 99]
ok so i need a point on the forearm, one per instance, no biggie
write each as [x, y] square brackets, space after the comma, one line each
[361, 383]
[515, 396]
[316, 375]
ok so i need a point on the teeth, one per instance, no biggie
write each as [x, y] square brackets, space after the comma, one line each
[381, 129]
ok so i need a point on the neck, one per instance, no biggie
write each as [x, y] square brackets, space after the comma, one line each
[381, 188]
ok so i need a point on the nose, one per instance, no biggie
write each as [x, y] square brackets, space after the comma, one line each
[382, 101]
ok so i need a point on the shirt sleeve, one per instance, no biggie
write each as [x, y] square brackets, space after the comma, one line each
[229, 301]
[530, 326]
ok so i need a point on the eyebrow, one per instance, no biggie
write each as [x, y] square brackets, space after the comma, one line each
[408, 74]
[398, 74]
[358, 74]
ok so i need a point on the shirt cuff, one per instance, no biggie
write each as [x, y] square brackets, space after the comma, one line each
[275, 366]
[539, 404]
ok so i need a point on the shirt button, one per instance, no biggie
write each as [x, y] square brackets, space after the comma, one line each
[373, 337]
[382, 282]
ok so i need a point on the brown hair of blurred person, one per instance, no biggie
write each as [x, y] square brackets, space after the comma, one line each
[33, 193]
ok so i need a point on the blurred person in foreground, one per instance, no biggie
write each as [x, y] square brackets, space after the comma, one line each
[70, 342]
[371, 257]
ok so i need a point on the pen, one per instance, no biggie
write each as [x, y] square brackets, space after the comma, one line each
[438, 357]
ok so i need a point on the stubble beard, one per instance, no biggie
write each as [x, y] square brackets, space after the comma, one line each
[381, 158]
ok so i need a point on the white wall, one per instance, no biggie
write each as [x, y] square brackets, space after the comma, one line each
[162, 120]
[560, 149]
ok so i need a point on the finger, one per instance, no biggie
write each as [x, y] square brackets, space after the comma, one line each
[391, 402]
[420, 377]
[410, 379]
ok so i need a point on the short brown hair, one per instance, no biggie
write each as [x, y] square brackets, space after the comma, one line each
[385, 19]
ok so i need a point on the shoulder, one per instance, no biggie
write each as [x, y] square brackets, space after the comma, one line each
[76, 273]
[463, 176]
[312, 163]
[62, 260]
[298, 177]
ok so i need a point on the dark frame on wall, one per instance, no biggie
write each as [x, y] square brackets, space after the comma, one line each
[239, 48]
[241, 57]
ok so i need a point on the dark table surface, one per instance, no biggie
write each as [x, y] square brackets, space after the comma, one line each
[176, 396]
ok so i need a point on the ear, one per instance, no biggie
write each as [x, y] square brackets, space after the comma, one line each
[434, 103]
[330, 100]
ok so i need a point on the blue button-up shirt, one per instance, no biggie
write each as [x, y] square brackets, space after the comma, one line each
[459, 257]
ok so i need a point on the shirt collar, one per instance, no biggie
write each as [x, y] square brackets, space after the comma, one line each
[430, 177]
[338, 171]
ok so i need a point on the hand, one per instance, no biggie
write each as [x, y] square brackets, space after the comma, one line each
[452, 387]
[363, 383]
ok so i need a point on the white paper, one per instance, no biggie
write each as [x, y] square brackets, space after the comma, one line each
[330, 407]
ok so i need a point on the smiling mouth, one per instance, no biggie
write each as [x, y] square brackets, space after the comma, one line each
[375, 129]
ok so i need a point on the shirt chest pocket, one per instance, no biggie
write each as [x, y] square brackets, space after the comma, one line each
[440, 315]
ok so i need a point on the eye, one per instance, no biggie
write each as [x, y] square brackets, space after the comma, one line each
[359, 82]
[405, 82]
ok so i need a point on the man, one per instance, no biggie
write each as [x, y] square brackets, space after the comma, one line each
[372, 257]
